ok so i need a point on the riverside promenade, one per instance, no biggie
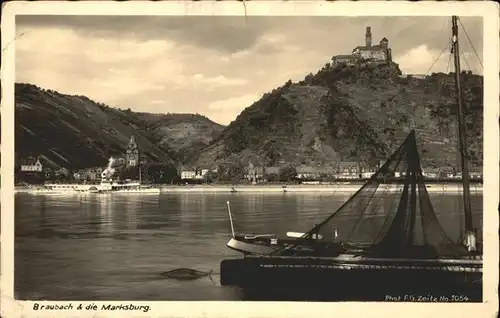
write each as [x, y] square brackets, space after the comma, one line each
[331, 188]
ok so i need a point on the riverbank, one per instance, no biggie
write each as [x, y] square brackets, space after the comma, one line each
[331, 188]
[343, 188]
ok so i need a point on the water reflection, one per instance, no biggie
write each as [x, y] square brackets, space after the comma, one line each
[115, 247]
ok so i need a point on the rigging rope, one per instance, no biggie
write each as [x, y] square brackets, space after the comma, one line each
[462, 53]
[432, 65]
[470, 42]
[446, 24]
[466, 63]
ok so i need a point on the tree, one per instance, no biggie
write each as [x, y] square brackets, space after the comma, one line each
[324, 177]
[129, 173]
[287, 173]
[162, 173]
[231, 172]
[210, 177]
[271, 177]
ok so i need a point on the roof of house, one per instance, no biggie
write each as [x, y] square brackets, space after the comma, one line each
[446, 169]
[30, 161]
[306, 169]
[257, 169]
[347, 164]
[343, 56]
[272, 170]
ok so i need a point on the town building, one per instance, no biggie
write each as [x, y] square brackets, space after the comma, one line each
[197, 173]
[32, 164]
[380, 53]
[89, 174]
[347, 170]
[310, 173]
[254, 173]
[188, 174]
[367, 174]
[431, 173]
[476, 173]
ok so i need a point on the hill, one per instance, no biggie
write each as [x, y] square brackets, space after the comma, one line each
[184, 134]
[348, 112]
[76, 132]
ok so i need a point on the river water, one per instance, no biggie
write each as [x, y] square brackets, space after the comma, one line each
[113, 247]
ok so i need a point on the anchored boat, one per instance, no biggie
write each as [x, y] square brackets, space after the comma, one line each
[387, 232]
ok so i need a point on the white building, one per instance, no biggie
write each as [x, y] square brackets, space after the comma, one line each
[188, 174]
[32, 165]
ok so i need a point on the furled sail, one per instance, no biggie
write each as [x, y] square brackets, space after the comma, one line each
[391, 215]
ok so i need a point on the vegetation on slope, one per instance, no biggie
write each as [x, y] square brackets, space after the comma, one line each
[75, 132]
[184, 134]
[349, 113]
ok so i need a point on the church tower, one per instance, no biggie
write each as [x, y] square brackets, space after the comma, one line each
[368, 36]
[132, 155]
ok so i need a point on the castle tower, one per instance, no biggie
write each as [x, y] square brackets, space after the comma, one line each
[384, 43]
[132, 154]
[368, 36]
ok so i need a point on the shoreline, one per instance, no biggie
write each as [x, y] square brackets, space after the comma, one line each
[336, 188]
[342, 188]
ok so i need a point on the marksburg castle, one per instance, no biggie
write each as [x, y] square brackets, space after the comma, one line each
[380, 53]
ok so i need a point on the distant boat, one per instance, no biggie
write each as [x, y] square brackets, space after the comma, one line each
[106, 185]
[103, 187]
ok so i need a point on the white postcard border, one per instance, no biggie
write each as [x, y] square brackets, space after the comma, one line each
[488, 10]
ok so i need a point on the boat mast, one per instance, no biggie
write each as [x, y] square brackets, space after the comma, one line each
[462, 146]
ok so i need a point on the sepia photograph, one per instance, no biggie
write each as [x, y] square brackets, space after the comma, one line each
[248, 157]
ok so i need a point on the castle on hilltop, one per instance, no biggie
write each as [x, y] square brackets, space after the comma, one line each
[380, 53]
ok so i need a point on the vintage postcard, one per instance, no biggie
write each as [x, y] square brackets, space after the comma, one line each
[257, 159]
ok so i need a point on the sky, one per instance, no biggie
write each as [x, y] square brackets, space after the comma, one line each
[214, 66]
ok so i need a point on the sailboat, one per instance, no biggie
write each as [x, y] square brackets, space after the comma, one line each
[388, 225]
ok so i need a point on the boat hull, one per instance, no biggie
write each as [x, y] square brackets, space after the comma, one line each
[131, 188]
[312, 274]
[250, 248]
